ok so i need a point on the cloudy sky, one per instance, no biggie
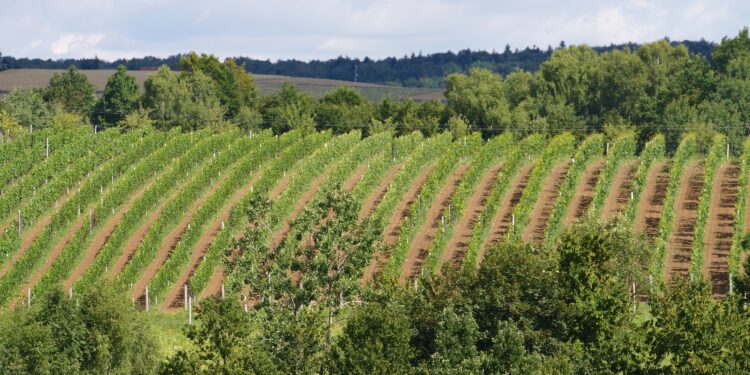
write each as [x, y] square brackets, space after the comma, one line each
[321, 29]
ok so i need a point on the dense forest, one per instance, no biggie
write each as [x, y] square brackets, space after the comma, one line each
[416, 70]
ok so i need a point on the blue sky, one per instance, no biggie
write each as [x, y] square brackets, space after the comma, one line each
[322, 29]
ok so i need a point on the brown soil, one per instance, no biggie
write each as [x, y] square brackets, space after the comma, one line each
[299, 206]
[280, 186]
[534, 231]
[584, 192]
[28, 236]
[652, 200]
[214, 284]
[170, 241]
[679, 246]
[720, 228]
[503, 217]
[420, 245]
[135, 239]
[619, 195]
[355, 178]
[52, 256]
[374, 199]
[204, 243]
[456, 248]
[392, 231]
[102, 236]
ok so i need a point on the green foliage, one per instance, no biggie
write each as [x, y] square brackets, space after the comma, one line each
[479, 98]
[623, 148]
[558, 148]
[97, 332]
[119, 99]
[652, 152]
[71, 91]
[684, 154]
[739, 215]
[714, 157]
[527, 149]
[590, 149]
[28, 107]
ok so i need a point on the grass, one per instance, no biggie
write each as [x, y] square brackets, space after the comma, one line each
[168, 328]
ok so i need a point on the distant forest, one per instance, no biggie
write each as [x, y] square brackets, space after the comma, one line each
[416, 70]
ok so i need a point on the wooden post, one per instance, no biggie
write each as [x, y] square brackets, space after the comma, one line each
[147, 301]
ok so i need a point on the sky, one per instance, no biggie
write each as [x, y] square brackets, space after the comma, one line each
[323, 29]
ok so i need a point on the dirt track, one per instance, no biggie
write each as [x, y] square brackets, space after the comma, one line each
[503, 217]
[584, 192]
[420, 245]
[622, 185]
[679, 245]
[652, 200]
[458, 245]
[534, 230]
[720, 228]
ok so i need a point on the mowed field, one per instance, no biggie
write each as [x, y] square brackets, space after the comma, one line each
[157, 210]
[267, 84]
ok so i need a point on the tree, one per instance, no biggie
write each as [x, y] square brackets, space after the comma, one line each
[28, 107]
[72, 91]
[165, 98]
[120, 98]
[375, 340]
[731, 48]
[9, 126]
[478, 97]
[458, 127]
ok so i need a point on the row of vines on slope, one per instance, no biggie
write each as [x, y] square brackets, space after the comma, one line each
[558, 148]
[622, 149]
[529, 148]
[713, 159]
[591, 148]
[652, 152]
[740, 208]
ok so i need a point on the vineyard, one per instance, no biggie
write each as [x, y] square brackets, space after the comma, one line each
[156, 211]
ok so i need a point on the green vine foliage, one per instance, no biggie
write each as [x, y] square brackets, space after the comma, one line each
[739, 216]
[623, 148]
[589, 150]
[652, 153]
[713, 159]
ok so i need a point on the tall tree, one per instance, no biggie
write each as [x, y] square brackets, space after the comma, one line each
[120, 98]
[71, 91]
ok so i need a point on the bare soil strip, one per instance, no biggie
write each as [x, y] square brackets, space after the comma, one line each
[355, 178]
[28, 237]
[720, 228]
[584, 192]
[679, 245]
[391, 232]
[170, 241]
[102, 236]
[652, 200]
[458, 245]
[205, 242]
[504, 216]
[420, 245]
[619, 195]
[56, 251]
[135, 239]
[374, 199]
[534, 231]
[298, 207]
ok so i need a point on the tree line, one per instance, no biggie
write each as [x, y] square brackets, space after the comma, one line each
[656, 88]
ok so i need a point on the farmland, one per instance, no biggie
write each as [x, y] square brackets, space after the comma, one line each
[156, 211]
[267, 84]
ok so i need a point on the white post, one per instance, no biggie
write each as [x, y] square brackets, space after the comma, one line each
[607, 153]
[185, 291]
[222, 225]
[28, 297]
[190, 310]
[47, 150]
[513, 219]
[147, 302]
[222, 290]
[20, 224]
[70, 293]
[727, 150]
[632, 195]
[731, 284]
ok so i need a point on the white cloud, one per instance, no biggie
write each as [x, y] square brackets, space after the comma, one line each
[72, 42]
